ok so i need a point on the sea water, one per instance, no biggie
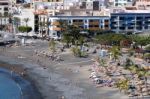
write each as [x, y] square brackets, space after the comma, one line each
[12, 86]
[8, 87]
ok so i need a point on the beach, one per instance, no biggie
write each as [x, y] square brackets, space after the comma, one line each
[18, 74]
[68, 79]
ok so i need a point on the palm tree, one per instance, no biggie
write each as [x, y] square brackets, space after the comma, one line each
[62, 25]
[102, 63]
[52, 46]
[143, 73]
[123, 85]
[26, 20]
[115, 51]
[67, 39]
[140, 40]
[133, 69]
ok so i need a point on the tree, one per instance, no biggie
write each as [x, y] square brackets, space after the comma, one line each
[73, 33]
[77, 52]
[62, 25]
[133, 69]
[26, 20]
[143, 73]
[52, 46]
[141, 40]
[67, 39]
[115, 51]
[123, 85]
[111, 39]
[147, 48]
[147, 56]
[128, 63]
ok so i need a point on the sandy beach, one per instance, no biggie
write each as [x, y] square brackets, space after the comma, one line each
[54, 80]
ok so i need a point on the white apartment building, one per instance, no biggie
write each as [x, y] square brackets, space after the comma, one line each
[142, 4]
[26, 13]
[92, 4]
[5, 7]
[120, 3]
[5, 10]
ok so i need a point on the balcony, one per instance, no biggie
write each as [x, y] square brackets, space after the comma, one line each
[94, 28]
[56, 29]
[78, 23]
[106, 28]
[55, 23]
[106, 23]
[94, 23]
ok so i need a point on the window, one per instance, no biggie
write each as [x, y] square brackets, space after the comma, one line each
[85, 26]
[69, 21]
[85, 21]
[5, 9]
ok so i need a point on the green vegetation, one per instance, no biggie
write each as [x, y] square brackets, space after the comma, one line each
[147, 48]
[24, 29]
[123, 85]
[52, 46]
[113, 39]
[26, 20]
[115, 52]
[140, 40]
[77, 52]
[147, 56]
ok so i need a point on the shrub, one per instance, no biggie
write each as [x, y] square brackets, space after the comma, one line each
[25, 29]
[147, 56]
[77, 52]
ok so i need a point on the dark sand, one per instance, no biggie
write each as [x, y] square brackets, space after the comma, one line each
[18, 69]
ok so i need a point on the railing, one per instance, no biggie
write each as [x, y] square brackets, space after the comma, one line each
[94, 23]
[94, 28]
[56, 28]
[55, 23]
[78, 23]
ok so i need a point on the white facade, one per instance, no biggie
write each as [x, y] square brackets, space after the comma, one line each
[5, 7]
[26, 13]
[121, 3]
[69, 19]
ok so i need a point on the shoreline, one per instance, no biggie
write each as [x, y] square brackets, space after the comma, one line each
[18, 70]
[21, 66]
[54, 87]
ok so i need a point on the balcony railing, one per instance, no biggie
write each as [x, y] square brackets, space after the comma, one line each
[56, 29]
[55, 23]
[78, 23]
[94, 28]
[106, 23]
[94, 23]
